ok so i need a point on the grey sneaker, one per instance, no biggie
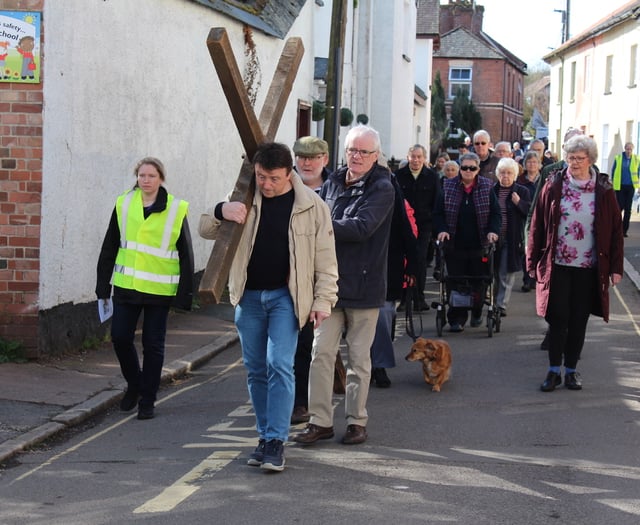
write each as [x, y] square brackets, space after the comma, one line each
[273, 456]
[256, 457]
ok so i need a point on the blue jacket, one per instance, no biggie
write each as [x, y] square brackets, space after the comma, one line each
[361, 216]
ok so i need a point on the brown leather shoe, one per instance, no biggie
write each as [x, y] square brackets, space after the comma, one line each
[300, 415]
[313, 433]
[354, 435]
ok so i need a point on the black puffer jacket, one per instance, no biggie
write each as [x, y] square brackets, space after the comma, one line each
[361, 216]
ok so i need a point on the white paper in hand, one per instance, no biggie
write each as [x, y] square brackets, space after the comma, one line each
[105, 309]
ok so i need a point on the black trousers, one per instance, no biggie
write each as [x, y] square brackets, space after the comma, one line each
[625, 200]
[145, 380]
[571, 295]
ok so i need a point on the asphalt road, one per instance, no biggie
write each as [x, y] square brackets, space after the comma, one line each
[489, 449]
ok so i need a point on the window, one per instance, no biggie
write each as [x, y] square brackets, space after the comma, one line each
[560, 84]
[459, 80]
[633, 65]
[572, 88]
[608, 75]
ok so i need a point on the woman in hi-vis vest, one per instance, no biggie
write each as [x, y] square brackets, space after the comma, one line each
[147, 255]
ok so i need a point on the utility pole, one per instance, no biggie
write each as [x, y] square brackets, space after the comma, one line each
[334, 79]
[566, 16]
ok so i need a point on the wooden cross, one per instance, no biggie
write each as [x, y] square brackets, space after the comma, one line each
[252, 131]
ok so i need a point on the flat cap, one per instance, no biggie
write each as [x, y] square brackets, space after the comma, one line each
[310, 146]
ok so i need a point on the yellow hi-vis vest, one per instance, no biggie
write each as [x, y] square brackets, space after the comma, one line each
[617, 173]
[147, 259]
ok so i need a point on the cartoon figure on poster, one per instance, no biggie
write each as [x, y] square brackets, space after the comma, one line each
[20, 60]
[3, 56]
[25, 48]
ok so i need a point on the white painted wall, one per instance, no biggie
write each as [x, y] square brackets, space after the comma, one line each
[423, 67]
[385, 80]
[127, 79]
[604, 116]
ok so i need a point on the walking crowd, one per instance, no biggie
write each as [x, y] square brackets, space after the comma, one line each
[326, 259]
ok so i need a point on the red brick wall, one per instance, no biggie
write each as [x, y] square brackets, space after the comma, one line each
[20, 198]
[495, 95]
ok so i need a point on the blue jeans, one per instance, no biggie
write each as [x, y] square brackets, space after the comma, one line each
[268, 329]
[145, 381]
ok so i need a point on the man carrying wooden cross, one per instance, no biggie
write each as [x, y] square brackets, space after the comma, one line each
[284, 273]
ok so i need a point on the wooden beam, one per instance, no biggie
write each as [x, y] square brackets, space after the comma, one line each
[216, 272]
[251, 133]
[280, 88]
[234, 90]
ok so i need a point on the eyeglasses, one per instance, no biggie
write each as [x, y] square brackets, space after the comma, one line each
[468, 168]
[362, 152]
[479, 143]
[576, 158]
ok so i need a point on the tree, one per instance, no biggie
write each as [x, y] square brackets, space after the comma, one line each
[464, 114]
[438, 114]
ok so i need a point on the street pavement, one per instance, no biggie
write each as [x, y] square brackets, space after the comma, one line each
[42, 398]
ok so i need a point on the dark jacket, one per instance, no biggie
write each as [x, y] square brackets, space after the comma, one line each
[488, 167]
[402, 247]
[421, 194]
[513, 241]
[543, 236]
[361, 216]
[467, 233]
[107, 259]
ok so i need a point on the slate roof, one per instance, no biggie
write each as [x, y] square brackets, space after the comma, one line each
[273, 17]
[428, 17]
[462, 43]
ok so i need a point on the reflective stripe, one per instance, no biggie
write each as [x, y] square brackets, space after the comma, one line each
[152, 250]
[125, 213]
[147, 276]
[168, 227]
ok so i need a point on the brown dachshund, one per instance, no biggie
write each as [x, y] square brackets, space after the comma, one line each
[435, 355]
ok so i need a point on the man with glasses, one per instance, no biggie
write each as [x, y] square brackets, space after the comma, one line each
[420, 187]
[312, 157]
[539, 147]
[361, 198]
[488, 161]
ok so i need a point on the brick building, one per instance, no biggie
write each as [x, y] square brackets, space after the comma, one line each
[20, 194]
[471, 60]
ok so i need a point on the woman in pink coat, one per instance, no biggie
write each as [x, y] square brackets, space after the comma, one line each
[575, 249]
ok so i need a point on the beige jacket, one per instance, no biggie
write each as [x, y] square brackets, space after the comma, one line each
[313, 268]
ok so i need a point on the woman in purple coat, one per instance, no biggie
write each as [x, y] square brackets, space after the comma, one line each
[575, 249]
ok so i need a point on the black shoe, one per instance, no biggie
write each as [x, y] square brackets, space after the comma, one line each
[145, 413]
[380, 378]
[420, 305]
[475, 322]
[129, 400]
[625, 235]
[502, 311]
[525, 288]
[572, 381]
[273, 456]
[257, 456]
[552, 380]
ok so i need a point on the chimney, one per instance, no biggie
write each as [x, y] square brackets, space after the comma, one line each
[461, 13]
